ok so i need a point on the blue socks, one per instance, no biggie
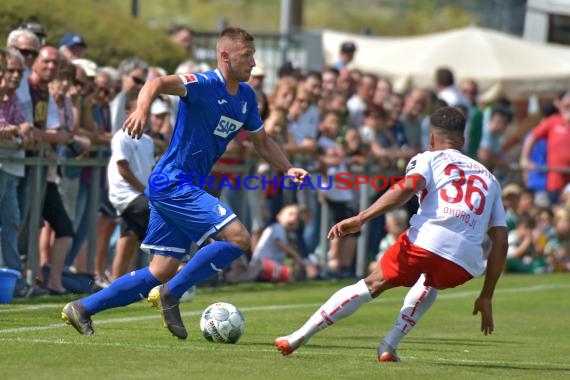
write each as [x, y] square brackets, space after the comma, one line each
[125, 290]
[208, 261]
[136, 285]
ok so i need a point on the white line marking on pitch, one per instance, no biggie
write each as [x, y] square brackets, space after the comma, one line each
[471, 293]
[252, 348]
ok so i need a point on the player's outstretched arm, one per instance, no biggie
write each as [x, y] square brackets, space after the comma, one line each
[170, 85]
[396, 196]
[495, 266]
[270, 152]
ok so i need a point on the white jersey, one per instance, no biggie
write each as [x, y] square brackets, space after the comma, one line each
[140, 156]
[459, 204]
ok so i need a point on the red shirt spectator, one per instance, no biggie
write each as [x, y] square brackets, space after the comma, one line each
[556, 131]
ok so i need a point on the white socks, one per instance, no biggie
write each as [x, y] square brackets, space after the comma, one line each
[340, 305]
[418, 300]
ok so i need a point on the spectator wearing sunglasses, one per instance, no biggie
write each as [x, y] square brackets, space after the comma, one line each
[133, 72]
[36, 28]
[28, 44]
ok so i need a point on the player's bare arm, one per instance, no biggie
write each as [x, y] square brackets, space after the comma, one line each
[169, 85]
[495, 266]
[395, 197]
[525, 162]
[271, 153]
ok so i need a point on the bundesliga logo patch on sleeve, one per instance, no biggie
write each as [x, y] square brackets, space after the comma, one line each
[411, 165]
[188, 78]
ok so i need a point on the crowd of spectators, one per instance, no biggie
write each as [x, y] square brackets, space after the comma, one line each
[56, 102]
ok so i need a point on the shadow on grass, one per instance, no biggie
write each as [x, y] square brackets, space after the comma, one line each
[461, 341]
[521, 366]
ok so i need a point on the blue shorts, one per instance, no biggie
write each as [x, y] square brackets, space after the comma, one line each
[176, 222]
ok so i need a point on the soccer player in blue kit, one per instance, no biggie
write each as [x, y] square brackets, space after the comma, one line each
[213, 107]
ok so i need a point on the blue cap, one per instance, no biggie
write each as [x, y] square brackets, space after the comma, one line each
[71, 39]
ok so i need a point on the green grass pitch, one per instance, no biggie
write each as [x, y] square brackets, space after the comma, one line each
[531, 338]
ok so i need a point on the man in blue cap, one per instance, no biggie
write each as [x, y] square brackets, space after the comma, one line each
[72, 46]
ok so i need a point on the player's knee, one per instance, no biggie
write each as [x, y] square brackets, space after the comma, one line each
[163, 268]
[375, 283]
[242, 240]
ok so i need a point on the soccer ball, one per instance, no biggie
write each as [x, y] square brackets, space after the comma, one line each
[222, 322]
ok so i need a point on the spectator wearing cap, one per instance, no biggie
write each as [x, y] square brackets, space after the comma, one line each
[36, 28]
[72, 46]
[346, 55]
[511, 198]
[257, 76]
[160, 124]
[82, 91]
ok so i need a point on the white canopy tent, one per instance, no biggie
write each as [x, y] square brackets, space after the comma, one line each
[502, 64]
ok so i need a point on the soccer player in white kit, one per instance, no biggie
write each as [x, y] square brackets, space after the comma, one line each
[460, 204]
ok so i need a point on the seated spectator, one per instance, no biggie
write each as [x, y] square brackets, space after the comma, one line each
[396, 224]
[511, 197]
[521, 256]
[268, 263]
[544, 230]
[557, 249]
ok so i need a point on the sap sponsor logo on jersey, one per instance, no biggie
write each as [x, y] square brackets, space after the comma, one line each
[188, 78]
[227, 126]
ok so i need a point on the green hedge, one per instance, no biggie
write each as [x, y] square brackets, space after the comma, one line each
[111, 35]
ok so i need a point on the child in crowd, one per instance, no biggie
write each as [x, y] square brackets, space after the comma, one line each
[557, 249]
[268, 263]
[521, 256]
[396, 224]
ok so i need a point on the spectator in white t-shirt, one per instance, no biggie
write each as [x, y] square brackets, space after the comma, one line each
[128, 172]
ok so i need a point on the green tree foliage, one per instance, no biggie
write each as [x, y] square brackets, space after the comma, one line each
[382, 17]
[111, 34]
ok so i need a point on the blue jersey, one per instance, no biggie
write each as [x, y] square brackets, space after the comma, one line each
[209, 117]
